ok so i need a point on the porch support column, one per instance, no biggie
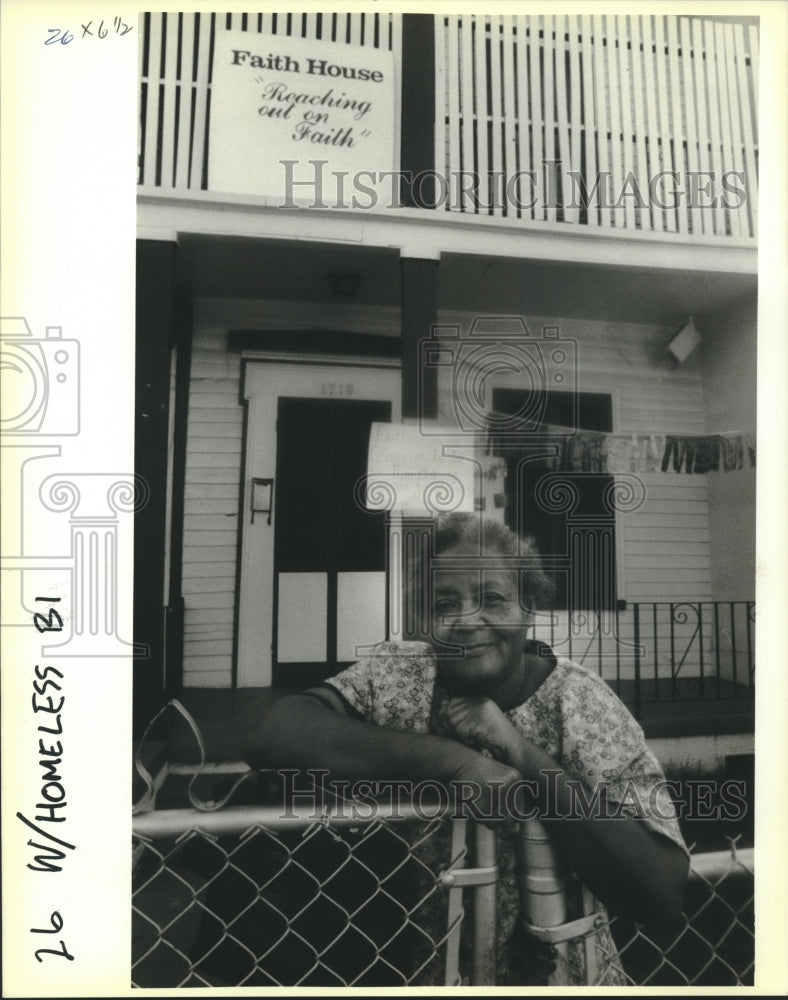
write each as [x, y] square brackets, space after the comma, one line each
[419, 314]
[154, 339]
[411, 538]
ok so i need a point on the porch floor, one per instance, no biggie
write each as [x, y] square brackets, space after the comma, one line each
[225, 715]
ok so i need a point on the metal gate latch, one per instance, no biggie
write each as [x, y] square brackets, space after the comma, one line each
[456, 878]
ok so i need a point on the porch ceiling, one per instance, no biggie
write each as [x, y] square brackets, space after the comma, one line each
[223, 267]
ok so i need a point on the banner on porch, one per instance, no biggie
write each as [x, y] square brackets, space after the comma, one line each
[297, 119]
[598, 452]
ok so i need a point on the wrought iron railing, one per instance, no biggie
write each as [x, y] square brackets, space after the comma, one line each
[663, 651]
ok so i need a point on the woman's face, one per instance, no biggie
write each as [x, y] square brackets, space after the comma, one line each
[479, 611]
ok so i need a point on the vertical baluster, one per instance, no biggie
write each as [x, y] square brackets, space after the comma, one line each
[204, 25]
[733, 650]
[340, 28]
[725, 119]
[751, 178]
[497, 134]
[601, 111]
[700, 641]
[512, 122]
[750, 665]
[614, 87]
[701, 119]
[717, 164]
[690, 103]
[654, 164]
[736, 213]
[656, 651]
[185, 103]
[310, 27]
[153, 99]
[752, 34]
[142, 71]
[356, 29]
[665, 126]
[626, 68]
[480, 111]
[575, 115]
[589, 114]
[550, 194]
[454, 113]
[525, 132]
[442, 167]
[562, 120]
[679, 96]
[636, 610]
[717, 644]
[395, 45]
[641, 166]
[466, 107]
[536, 116]
[672, 654]
[169, 95]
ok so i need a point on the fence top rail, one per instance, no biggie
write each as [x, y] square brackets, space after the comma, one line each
[238, 819]
[357, 815]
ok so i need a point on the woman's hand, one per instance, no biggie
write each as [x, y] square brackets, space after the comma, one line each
[479, 723]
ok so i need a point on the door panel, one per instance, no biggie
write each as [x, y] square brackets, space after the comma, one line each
[322, 532]
[302, 615]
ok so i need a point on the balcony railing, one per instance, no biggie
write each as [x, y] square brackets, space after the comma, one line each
[611, 122]
[612, 101]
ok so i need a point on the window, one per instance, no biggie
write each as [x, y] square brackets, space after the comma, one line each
[572, 525]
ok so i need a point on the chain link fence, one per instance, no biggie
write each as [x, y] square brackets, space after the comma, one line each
[393, 896]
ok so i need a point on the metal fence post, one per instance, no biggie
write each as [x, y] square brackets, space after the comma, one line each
[484, 911]
[542, 896]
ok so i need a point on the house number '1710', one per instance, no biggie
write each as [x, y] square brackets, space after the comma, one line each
[336, 389]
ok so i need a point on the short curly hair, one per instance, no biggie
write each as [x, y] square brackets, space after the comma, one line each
[490, 538]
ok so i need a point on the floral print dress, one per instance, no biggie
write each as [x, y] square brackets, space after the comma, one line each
[573, 716]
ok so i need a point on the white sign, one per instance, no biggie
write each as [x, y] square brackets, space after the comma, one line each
[408, 472]
[299, 120]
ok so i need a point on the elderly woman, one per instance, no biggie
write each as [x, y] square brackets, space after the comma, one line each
[484, 706]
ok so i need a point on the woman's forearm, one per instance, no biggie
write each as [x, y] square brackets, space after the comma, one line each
[300, 732]
[633, 870]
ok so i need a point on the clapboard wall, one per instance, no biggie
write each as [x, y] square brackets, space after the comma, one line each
[664, 546]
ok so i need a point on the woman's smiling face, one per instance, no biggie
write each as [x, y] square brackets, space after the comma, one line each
[479, 610]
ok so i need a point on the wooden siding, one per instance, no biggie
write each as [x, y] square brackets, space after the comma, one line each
[210, 528]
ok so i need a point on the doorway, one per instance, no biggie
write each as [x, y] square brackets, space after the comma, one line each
[329, 552]
[312, 580]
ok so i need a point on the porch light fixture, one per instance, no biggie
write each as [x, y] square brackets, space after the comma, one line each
[343, 286]
[684, 342]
